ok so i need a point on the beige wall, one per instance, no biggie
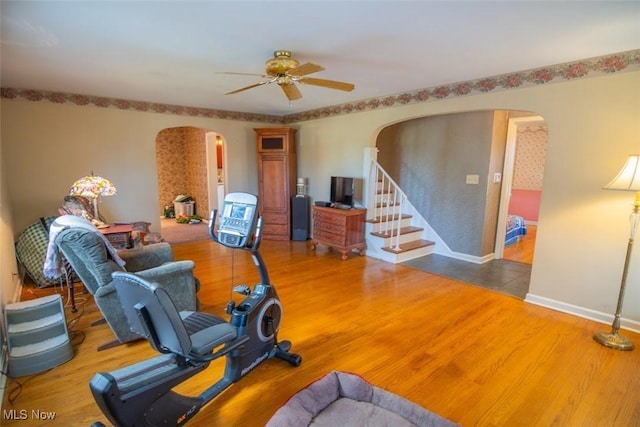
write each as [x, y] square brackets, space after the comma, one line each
[583, 230]
[8, 271]
[49, 146]
[593, 126]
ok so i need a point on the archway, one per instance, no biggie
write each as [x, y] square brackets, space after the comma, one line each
[452, 169]
[187, 164]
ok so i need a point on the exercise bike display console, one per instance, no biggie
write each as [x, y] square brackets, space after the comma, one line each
[237, 222]
[141, 394]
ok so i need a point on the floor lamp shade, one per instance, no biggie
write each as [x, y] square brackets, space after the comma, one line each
[628, 179]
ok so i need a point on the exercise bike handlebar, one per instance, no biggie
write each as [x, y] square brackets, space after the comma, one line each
[212, 222]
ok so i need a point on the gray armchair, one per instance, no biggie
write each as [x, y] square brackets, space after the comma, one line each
[89, 256]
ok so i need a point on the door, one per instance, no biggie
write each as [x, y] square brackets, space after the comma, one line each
[508, 176]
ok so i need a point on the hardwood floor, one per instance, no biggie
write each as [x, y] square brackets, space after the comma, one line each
[522, 250]
[469, 354]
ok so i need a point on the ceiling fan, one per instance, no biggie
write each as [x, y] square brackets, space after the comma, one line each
[286, 72]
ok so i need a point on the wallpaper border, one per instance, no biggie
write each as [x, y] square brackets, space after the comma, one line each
[586, 68]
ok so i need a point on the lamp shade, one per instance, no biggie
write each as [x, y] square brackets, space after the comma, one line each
[629, 176]
[92, 186]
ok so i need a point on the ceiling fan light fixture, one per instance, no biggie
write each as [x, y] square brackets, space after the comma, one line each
[284, 79]
[280, 63]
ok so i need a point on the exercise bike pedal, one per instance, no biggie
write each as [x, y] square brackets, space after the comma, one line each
[230, 306]
[242, 289]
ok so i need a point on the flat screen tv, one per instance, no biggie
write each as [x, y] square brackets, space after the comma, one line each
[342, 191]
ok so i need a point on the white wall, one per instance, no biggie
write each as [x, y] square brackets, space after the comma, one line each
[581, 242]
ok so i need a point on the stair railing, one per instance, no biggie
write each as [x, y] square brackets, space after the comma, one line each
[387, 200]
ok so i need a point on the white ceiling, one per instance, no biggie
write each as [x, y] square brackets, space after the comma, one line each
[174, 52]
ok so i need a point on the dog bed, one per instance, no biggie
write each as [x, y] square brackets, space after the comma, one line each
[342, 399]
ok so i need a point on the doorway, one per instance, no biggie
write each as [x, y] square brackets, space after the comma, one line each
[523, 173]
[216, 176]
[190, 161]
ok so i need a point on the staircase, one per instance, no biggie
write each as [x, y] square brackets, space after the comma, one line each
[37, 335]
[394, 232]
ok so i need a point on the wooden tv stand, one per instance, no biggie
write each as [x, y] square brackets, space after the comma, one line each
[342, 229]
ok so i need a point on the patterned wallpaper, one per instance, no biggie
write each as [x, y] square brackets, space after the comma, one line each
[531, 150]
[196, 172]
[182, 169]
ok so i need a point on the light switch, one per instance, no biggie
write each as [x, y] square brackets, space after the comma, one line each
[497, 177]
[473, 179]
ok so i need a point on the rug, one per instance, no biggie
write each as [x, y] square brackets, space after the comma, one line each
[342, 399]
[174, 232]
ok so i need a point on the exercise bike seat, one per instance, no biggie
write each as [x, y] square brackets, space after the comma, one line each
[152, 315]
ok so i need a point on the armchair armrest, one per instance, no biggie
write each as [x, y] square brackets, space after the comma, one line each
[178, 280]
[145, 257]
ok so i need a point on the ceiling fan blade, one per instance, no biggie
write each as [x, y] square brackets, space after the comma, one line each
[291, 91]
[304, 69]
[332, 84]
[242, 89]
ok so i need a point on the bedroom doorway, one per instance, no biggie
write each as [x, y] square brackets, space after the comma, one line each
[521, 192]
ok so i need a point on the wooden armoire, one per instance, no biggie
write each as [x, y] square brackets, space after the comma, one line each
[276, 180]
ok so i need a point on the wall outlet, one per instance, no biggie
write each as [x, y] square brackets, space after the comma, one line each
[497, 177]
[473, 179]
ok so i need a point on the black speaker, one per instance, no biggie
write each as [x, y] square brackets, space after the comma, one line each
[299, 218]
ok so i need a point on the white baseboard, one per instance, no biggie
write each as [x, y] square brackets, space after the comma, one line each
[587, 313]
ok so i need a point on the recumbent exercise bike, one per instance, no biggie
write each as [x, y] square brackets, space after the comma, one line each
[141, 394]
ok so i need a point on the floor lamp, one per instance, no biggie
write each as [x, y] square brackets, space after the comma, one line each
[629, 180]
